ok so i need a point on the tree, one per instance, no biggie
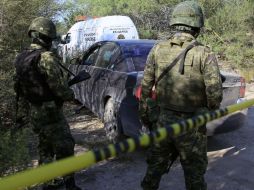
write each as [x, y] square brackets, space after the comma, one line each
[17, 16]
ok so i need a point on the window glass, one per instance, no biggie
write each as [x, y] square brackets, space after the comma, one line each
[120, 65]
[106, 54]
[136, 55]
[91, 58]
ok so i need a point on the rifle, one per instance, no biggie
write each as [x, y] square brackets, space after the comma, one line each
[173, 158]
[81, 76]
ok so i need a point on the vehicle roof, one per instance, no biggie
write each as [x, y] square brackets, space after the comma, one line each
[142, 41]
[130, 42]
[102, 22]
[123, 43]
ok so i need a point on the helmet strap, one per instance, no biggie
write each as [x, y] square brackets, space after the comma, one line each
[187, 29]
[40, 39]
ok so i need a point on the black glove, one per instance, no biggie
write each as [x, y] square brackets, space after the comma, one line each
[145, 121]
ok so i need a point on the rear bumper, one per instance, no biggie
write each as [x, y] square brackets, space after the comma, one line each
[132, 127]
[227, 123]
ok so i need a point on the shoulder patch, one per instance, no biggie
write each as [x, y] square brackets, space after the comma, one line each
[47, 53]
[48, 56]
[204, 48]
[165, 43]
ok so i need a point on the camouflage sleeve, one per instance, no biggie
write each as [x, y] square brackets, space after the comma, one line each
[148, 81]
[212, 81]
[55, 76]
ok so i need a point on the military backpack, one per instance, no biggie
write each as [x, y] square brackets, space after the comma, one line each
[31, 82]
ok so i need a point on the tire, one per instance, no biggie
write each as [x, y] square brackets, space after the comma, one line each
[112, 123]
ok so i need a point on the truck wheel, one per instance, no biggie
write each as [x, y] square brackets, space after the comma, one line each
[112, 123]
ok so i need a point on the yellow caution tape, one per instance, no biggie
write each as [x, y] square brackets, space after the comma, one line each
[60, 168]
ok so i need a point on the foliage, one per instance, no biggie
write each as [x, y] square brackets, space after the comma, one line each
[210, 7]
[14, 152]
[7, 93]
[230, 32]
[17, 16]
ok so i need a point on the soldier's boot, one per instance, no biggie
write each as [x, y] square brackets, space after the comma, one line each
[196, 185]
[70, 183]
[150, 183]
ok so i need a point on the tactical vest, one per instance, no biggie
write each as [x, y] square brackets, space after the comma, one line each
[31, 81]
[182, 88]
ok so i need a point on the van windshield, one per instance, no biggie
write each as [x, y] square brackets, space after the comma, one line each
[136, 55]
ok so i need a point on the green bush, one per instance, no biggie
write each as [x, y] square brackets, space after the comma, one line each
[14, 151]
[147, 34]
[7, 97]
[230, 32]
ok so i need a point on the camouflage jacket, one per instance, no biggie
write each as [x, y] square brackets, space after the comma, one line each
[197, 85]
[55, 78]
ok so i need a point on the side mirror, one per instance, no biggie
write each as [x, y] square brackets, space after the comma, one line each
[81, 76]
[223, 78]
[63, 39]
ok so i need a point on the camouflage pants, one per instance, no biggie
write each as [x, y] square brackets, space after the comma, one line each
[55, 139]
[191, 148]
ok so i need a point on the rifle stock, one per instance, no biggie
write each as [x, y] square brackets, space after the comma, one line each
[81, 76]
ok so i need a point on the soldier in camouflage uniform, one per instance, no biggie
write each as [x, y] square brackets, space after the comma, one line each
[46, 117]
[186, 90]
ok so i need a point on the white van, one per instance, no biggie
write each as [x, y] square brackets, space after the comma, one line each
[85, 33]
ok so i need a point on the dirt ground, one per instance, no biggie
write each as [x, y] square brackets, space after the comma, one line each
[230, 158]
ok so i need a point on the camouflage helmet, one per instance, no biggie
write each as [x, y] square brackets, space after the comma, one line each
[43, 26]
[188, 13]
